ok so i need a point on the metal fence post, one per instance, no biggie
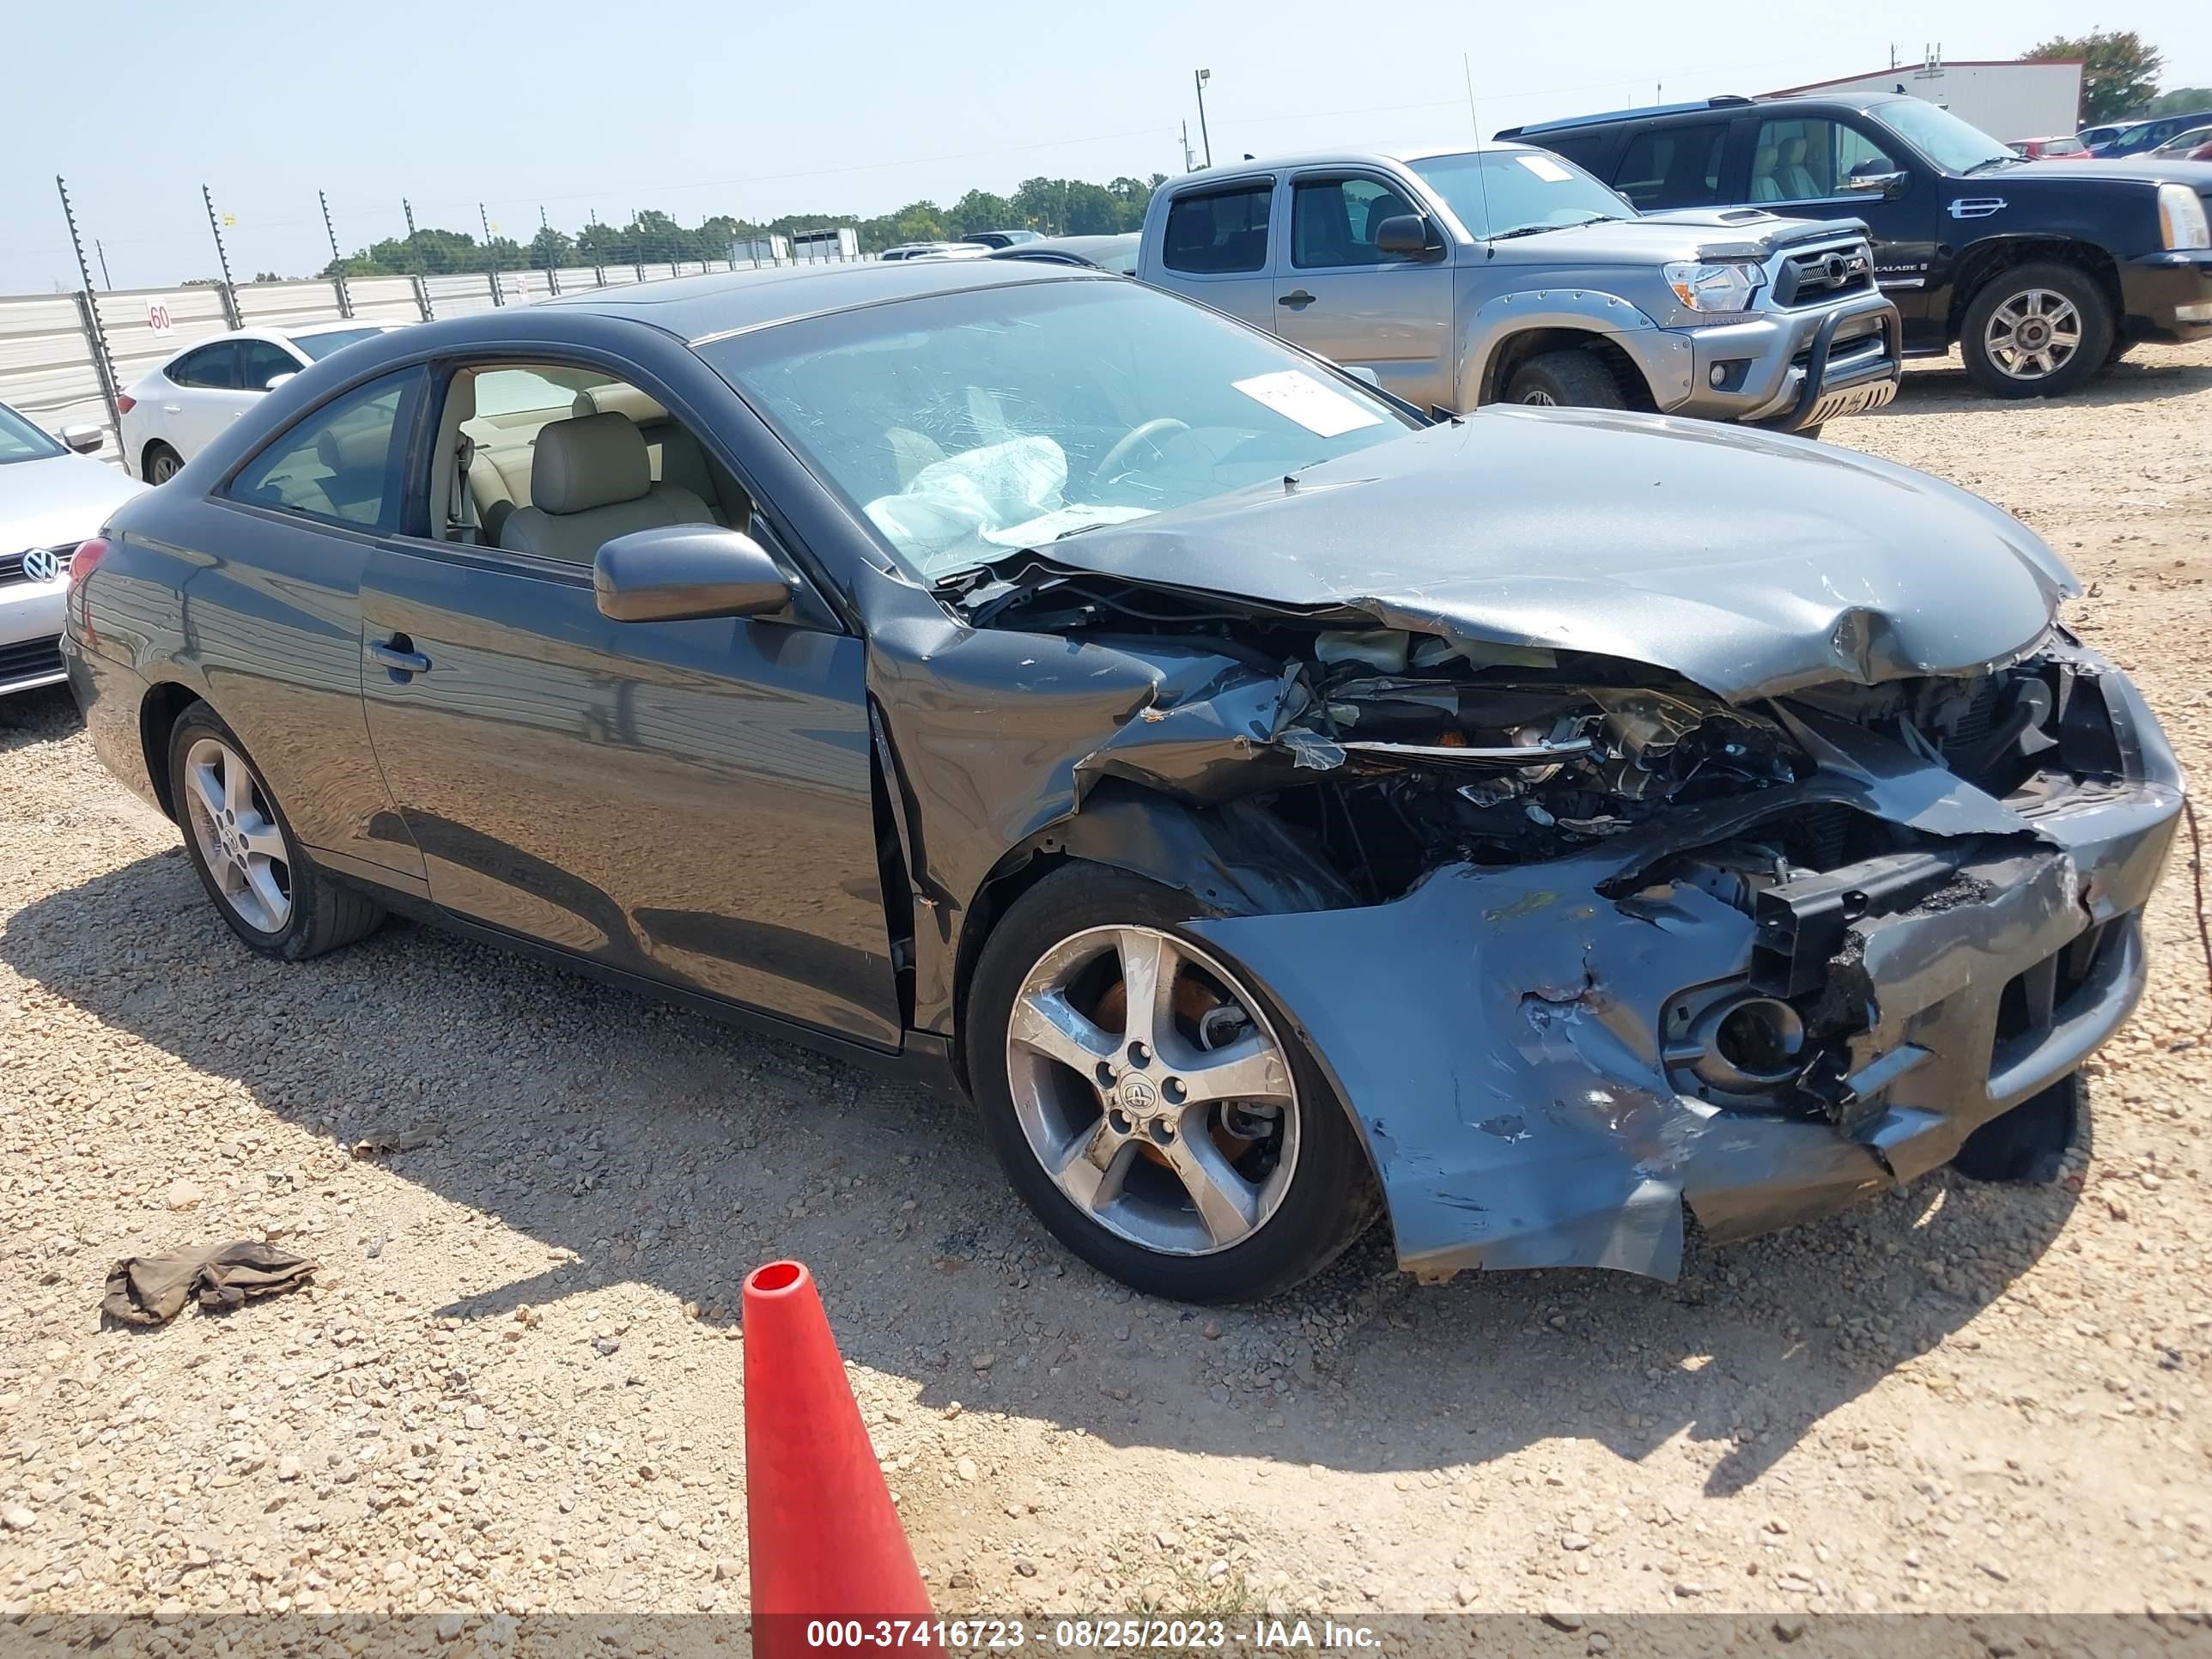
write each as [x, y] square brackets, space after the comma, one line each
[95, 339]
[338, 276]
[423, 299]
[599, 275]
[223, 289]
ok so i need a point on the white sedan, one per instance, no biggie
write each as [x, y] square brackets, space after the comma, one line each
[170, 415]
[53, 495]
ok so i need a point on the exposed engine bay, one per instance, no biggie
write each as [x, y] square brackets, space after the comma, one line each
[1610, 915]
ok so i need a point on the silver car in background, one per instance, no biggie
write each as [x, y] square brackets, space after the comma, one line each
[53, 495]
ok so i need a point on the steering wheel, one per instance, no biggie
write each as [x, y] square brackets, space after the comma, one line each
[1137, 437]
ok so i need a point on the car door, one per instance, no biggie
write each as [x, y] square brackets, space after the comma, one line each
[690, 802]
[1215, 247]
[208, 391]
[1340, 295]
[1824, 166]
[270, 628]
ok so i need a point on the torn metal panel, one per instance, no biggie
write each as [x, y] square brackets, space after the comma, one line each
[1747, 564]
[1509, 1043]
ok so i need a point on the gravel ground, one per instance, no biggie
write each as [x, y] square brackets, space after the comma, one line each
[514, 1387]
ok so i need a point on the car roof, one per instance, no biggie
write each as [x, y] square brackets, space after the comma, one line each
[1402, 154]
[732, 301]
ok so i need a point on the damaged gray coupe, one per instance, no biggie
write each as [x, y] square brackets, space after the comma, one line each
[1276, 809]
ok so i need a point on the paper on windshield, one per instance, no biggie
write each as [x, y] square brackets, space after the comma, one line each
[1545, 168]
[1296, 395]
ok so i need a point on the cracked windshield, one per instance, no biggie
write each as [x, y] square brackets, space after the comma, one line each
[982, 423]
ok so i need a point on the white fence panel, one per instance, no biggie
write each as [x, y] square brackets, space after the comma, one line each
[519, 287]
[279, 305]
[459, 295]
[619, 275]
[46, 367]
[384, 299]
[575, 278]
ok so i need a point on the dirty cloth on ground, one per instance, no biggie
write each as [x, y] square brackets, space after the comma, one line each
[151, 1290]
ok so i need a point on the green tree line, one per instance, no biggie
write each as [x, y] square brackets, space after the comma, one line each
[1055, 207]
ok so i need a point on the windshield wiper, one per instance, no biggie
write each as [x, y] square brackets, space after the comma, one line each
[1990, 161]
[1575, 224]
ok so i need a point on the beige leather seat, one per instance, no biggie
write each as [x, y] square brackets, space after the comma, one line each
[1798, 183]
[590, 481]
[674, 455]
[1765, 186]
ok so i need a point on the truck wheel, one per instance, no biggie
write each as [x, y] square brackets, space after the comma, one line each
[1574, 378]
[2037, 331]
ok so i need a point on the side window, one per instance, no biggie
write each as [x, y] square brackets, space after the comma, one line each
[1333, 221]
[1673, 167]
[1806, 159]
[342, 464]
[1587, 150]
[212, 367]
[264, 362]
[1222, 231]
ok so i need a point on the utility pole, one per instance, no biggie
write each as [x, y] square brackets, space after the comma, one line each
[88, 313]
[106, 281]
[338, 276]
[221, 259]
[1189, 161]
[1200, 78]
[551, 281]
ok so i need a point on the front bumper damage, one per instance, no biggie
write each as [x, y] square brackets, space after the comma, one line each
[1512, 1042]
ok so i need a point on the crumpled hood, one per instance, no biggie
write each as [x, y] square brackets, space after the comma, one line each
[1749, 563]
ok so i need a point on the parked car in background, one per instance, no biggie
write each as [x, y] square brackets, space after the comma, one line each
[53, 494]
[934, 251]
[1116, 254]
[2144, 136]
[1278, 810]
[1002, 238]
[2097, 137]
[2194, 145]
[1503, 274]
[2050, 149]
[2040, 275]
[172, 413]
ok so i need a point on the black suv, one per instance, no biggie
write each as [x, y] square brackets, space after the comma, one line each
[2043, 272]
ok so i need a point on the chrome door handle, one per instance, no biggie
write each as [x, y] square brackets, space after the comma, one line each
[1298, 298]
[172, 409]
[398, 654]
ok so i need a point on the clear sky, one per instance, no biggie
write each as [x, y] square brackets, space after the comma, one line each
[860, 107]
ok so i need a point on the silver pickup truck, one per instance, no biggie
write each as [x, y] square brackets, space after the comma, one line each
[1505, 273]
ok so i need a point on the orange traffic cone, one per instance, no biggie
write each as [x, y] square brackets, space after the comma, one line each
[822, 1540]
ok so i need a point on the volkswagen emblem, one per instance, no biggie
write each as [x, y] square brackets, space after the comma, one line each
[40, 564]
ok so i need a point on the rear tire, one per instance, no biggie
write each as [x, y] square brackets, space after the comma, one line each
[1574, 379]
[1295, 1173]
[2036, 331]
[161, 463]
[251, 865]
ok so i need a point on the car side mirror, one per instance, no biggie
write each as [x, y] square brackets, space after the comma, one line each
[685, 572]
[85, 440]
[1885, 183]
[1409, 235]
[275, 381]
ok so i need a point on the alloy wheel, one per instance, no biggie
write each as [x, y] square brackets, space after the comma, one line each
[2033, 334]
[1152, 1089]
[165, 467]
[238, 836]
[1545, 399]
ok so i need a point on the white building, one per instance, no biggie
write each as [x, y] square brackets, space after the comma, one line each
[2009, 100]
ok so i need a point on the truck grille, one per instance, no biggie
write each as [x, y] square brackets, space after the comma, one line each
[1824, 275]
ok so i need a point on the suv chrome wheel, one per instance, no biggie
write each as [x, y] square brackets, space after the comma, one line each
[1152, 1090]
[2033, 334]
[238, 836]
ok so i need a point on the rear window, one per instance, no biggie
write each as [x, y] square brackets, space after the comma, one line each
[1673, 167]
[319, 346]
[1219, 231]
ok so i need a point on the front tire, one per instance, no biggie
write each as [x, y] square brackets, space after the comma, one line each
[248, 859]
[1149, 1102]
[1573, 379]
[2037, 331]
